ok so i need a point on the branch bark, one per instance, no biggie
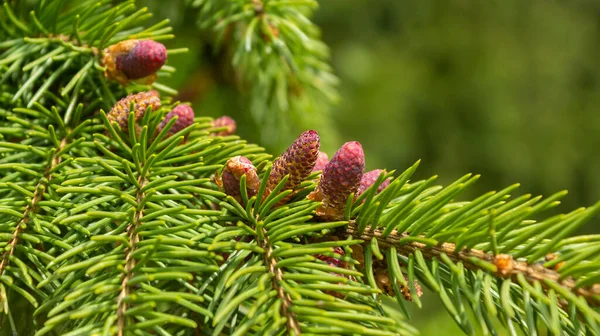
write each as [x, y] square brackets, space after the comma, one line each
[129, 261]
[292, 322]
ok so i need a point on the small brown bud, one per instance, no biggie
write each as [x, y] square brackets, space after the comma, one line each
[322, 161]
[340, 178]
[504, 263]
[224, 121]
[233, 171]
[141, 101]
[369, 178]
[134, 59]
[297, 161]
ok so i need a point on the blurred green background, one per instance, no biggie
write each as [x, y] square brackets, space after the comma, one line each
[509, 89]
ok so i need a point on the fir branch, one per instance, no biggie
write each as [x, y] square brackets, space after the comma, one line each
[33, 205]
[292, 322]
[477, 259]
[130, 263]
[130, 235]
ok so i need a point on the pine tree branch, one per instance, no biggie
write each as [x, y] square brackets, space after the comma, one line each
[292, 322]
[501, 266]
[129, 261]
[31, 208]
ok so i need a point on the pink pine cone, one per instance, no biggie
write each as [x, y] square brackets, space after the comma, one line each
[224, 121]
[144, 59]
[234, 169]
[322, 161]
[185, 118]
[369, 178]
[298, 161]
[340, 178]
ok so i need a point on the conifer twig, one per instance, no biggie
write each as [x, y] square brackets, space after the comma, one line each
[292, 322]
[469, 257]
[37, 196]
[129, 261]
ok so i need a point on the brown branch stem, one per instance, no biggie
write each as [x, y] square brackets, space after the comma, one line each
[292, 322]
[532, 272]
[129, 261]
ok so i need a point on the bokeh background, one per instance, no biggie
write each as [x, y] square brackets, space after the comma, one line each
[509, 89]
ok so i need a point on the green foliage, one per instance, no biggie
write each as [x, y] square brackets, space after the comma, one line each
[108, 232]
[279, 59]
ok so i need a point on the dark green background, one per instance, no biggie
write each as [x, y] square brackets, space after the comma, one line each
[509, 89]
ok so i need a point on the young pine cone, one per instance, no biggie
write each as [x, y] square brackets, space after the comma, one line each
[369, 178]
[134, 59]
[185, 118]
[224, 121]
[297, 161]
[340, 178]
[141, 101]
[322, 161]
[234, 169]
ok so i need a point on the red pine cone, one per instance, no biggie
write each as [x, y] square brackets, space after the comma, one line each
[185, 118]
[141, 101]
[322, 161]
[134, 59]
[234, 169]
[369, 178]
[298, 161]
[224, 121]
[340, 178]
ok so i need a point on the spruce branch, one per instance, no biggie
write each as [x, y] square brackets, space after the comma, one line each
[441, 241]
[130, 262]
[292, 323]
[477, 259]
[119, 228]
[68, 51]
[32, 207]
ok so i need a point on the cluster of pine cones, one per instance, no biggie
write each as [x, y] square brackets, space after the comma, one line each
[150, 101]
[341, 176]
